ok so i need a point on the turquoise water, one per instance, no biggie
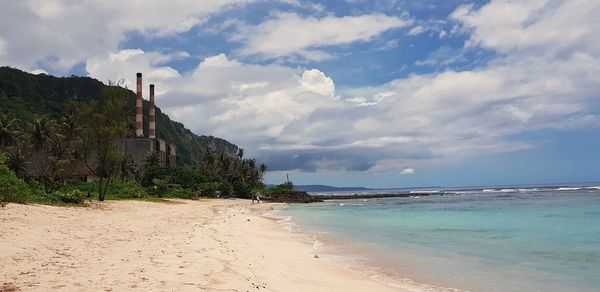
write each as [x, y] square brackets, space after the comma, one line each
[492, 240]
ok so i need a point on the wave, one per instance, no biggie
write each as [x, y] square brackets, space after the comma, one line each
[500, 190]
[568, 189]
[423, 192]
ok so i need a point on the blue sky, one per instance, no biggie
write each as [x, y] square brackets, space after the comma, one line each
[384, 93]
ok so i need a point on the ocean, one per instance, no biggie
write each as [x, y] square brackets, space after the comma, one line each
[526, 239]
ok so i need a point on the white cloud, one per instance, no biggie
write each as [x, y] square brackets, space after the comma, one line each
[293, 118]
[443, 56]
[123, 64]
[218, 61]
[552, 28]
[39, 71]
[316, 81]
[408, 171]
[417, 30]
[289, 34]
[391, 44]
[307, 4]
[59, 34]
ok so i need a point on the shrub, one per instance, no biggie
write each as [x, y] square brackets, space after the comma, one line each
[176, 191]
[72, 197]
[125, 190]
[283, 188]
[12, 188]
[209, 189]
[116, 189]
[89, 188]
[242, 190]
[160, 187]
[225, 190]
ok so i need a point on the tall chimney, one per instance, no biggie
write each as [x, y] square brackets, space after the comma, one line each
[139, 117]
[152, 115]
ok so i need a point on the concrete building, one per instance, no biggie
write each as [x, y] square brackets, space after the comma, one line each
[141, 146]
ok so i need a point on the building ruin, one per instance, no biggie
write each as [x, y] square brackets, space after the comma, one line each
[139, 147]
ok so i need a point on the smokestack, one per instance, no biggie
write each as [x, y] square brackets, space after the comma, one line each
[139, 118]
[152, 115]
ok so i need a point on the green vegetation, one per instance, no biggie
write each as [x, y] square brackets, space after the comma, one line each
[12, 188]
[26, 96]
[102, 125]
[283, 188]
[49, 142]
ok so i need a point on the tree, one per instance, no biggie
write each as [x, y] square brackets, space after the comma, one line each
[262, 169]
[103, 123]
[41, 149]
[8, 130]
[17, 162]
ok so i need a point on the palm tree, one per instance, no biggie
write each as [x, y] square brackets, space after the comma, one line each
[69, 126]
[208, 163]
[262, 168]
[8, 130]
[41, 132]
[17, 163]
[152, 160]
[128, 169]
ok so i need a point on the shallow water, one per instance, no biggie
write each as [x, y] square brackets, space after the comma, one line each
[482, 240]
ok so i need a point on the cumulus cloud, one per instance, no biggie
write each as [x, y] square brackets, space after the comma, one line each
[316, 81]
[62, 33]
[121, 65]
[293, 118]
[550, 28]
[289, 34]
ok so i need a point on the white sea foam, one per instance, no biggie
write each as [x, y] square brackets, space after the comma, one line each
[423, 192]
[568, 189]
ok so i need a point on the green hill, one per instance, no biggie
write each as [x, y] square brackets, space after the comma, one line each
[24, 95]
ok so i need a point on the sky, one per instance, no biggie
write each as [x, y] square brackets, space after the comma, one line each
[388, 93]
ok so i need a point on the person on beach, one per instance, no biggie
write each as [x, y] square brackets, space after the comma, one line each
[257, 198]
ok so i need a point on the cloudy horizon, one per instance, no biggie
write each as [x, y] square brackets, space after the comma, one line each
[381, 94]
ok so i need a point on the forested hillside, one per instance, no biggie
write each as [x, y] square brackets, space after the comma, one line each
[24, 95]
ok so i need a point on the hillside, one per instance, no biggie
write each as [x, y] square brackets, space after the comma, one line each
[25, 95]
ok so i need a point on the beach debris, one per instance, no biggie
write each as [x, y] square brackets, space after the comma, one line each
[247, 219]
[316, 256]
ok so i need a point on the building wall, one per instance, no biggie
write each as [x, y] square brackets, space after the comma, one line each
[136, 148]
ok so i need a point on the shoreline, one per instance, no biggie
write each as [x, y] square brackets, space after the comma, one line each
[206, 245]
[355, 256]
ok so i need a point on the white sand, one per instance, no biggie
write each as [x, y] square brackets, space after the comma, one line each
[210, 245]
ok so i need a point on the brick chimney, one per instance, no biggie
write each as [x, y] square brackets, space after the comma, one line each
[139, 116]
[152, 115]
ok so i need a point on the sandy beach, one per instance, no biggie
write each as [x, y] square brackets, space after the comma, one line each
[207, 245]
